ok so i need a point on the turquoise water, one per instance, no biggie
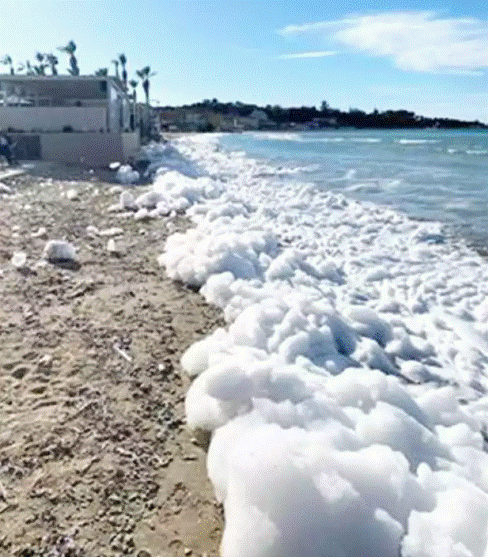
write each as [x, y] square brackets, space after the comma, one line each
[430, 174]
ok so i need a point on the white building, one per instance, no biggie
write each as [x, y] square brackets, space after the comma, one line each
[87, 120]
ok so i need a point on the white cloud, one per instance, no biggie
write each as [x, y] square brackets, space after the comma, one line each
[418, 41]
[316, 54]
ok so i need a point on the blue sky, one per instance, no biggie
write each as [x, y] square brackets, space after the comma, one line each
[429, 57]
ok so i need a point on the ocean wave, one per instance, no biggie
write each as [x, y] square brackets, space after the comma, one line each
[416, 141]
[332, 139]
[365, 139]
[277, 136]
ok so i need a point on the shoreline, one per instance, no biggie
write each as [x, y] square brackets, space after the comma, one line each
[96, 458]
[356, 335]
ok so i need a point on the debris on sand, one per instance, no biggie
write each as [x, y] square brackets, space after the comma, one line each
[114, 231]
[113, 248]
[72, 195]
[127, 201]
[19, 260]
[41, 233]
[4, 188]
[59, 250]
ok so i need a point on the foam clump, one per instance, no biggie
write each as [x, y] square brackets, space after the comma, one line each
[347, 394]
[58, 250]
[164, 157]
[127, 201]
[172, 190]
[127, 175]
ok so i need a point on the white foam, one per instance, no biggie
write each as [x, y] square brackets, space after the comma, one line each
[347, 394]
[127, 175]
[416, 141]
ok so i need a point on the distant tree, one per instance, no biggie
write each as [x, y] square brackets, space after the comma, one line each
[7, 61]
[133, 83]
[145, 75]
[102, 72]
[116, 64]
[70, 49]
[41, 68]
[324, 107]
[123, 63]
[29, 70]
[52, 61]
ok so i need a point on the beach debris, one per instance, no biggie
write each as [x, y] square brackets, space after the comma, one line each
[111, 232]
[113, 248]
[116, 189]
[4, 188]
[142, 214]
[114, 165]
[41, 233]
[19, 260]
[92, 231]
[59, 250]
[3, 492]
[45, 362]
[122, 352]
[114, 208]
[127, 201]
[72, 195]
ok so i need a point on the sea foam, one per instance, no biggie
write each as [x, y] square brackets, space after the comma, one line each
[347, 394]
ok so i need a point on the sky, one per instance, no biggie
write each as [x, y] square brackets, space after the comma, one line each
[430, 57]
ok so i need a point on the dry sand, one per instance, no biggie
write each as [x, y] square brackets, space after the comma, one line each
[95, 458]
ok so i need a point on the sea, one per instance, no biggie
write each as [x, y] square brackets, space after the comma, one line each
[428, 174]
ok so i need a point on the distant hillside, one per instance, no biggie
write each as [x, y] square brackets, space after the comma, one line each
[327, 117]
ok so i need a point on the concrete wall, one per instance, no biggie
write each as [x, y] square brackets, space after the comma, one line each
[89, 149]
[46, 118]
[131, 143]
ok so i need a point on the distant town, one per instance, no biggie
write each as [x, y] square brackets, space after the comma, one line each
[212, 115]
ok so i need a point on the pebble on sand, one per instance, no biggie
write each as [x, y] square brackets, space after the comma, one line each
[58, 250]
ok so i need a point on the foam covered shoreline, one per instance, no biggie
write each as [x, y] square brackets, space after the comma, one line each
[347, 395]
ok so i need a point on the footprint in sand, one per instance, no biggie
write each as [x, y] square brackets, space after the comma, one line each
[20, 371]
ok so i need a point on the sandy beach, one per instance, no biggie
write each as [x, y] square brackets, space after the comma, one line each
[95, 456]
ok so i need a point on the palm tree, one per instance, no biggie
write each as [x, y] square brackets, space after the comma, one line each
[116, 64]
[41, 68]
[70, 49]
[52, 62]
[102, 72]
[145, 74]
[29, 70]
[7, 61]
[133, 83]
[123, 62]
